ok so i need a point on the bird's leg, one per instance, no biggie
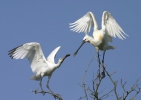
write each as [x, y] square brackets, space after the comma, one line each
[99, 63]
[43, 92]
[103, 57]
[41, 84]
[103, 72]
[98, 58]
[97, 50]
[48, 84]
[55, 95]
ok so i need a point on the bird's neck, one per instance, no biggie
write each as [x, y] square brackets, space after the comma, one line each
[90, 38]
[92, 41]
[57, 65]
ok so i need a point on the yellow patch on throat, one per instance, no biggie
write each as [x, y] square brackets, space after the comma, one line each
[100, 37]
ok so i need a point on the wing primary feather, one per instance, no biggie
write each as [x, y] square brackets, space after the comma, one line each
[112, 27]
[83, 24]
[33, 52]
[12, 51]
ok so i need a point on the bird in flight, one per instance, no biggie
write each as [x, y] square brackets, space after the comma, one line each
[40, 66]
[101, 37]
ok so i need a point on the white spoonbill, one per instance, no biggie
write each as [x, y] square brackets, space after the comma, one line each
[100, 38]
[39, 64]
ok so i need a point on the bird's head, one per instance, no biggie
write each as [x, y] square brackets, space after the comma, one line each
[86, 39]
[62, 59]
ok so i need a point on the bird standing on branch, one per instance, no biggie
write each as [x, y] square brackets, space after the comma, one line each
[39, 64]
[101, 37]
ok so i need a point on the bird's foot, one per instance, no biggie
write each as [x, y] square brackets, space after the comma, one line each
[57, 96]
[43, 92]
[102, 62]
[37, 91]
[103, 74]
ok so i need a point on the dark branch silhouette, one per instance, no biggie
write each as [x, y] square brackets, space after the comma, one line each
[56, 96]
[102, 72]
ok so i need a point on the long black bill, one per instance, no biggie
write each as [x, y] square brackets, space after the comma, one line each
[79, 48]
[67, 55]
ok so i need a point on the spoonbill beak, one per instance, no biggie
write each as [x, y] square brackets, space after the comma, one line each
[79, 48]
[67, 55]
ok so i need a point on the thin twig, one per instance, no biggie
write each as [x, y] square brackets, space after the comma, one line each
[114, 83]
[133, 88]
[56, 96]
[106, 95]
[83, 78]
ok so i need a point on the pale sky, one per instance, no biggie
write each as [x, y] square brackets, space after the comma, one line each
[47, 22]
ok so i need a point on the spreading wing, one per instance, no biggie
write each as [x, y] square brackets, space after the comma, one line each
[33, 52]
[111, 27]
[52, 55]
[83, 24]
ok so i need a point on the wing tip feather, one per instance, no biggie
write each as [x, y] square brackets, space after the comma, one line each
[12, 52]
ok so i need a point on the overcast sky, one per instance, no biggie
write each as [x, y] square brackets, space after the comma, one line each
[47, 22]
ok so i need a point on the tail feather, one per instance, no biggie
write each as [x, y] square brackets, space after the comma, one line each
[111, 47]
[35, 77]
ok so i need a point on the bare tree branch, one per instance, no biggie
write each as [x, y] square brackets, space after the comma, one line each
[134, 88]
[114, 82]
[83, 78]
[106, 95]
[96, 83]
[56, 96]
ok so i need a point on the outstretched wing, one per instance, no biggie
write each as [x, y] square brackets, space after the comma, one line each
[52, 55]
[111, 27]
[83, 24]
[33, 52]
